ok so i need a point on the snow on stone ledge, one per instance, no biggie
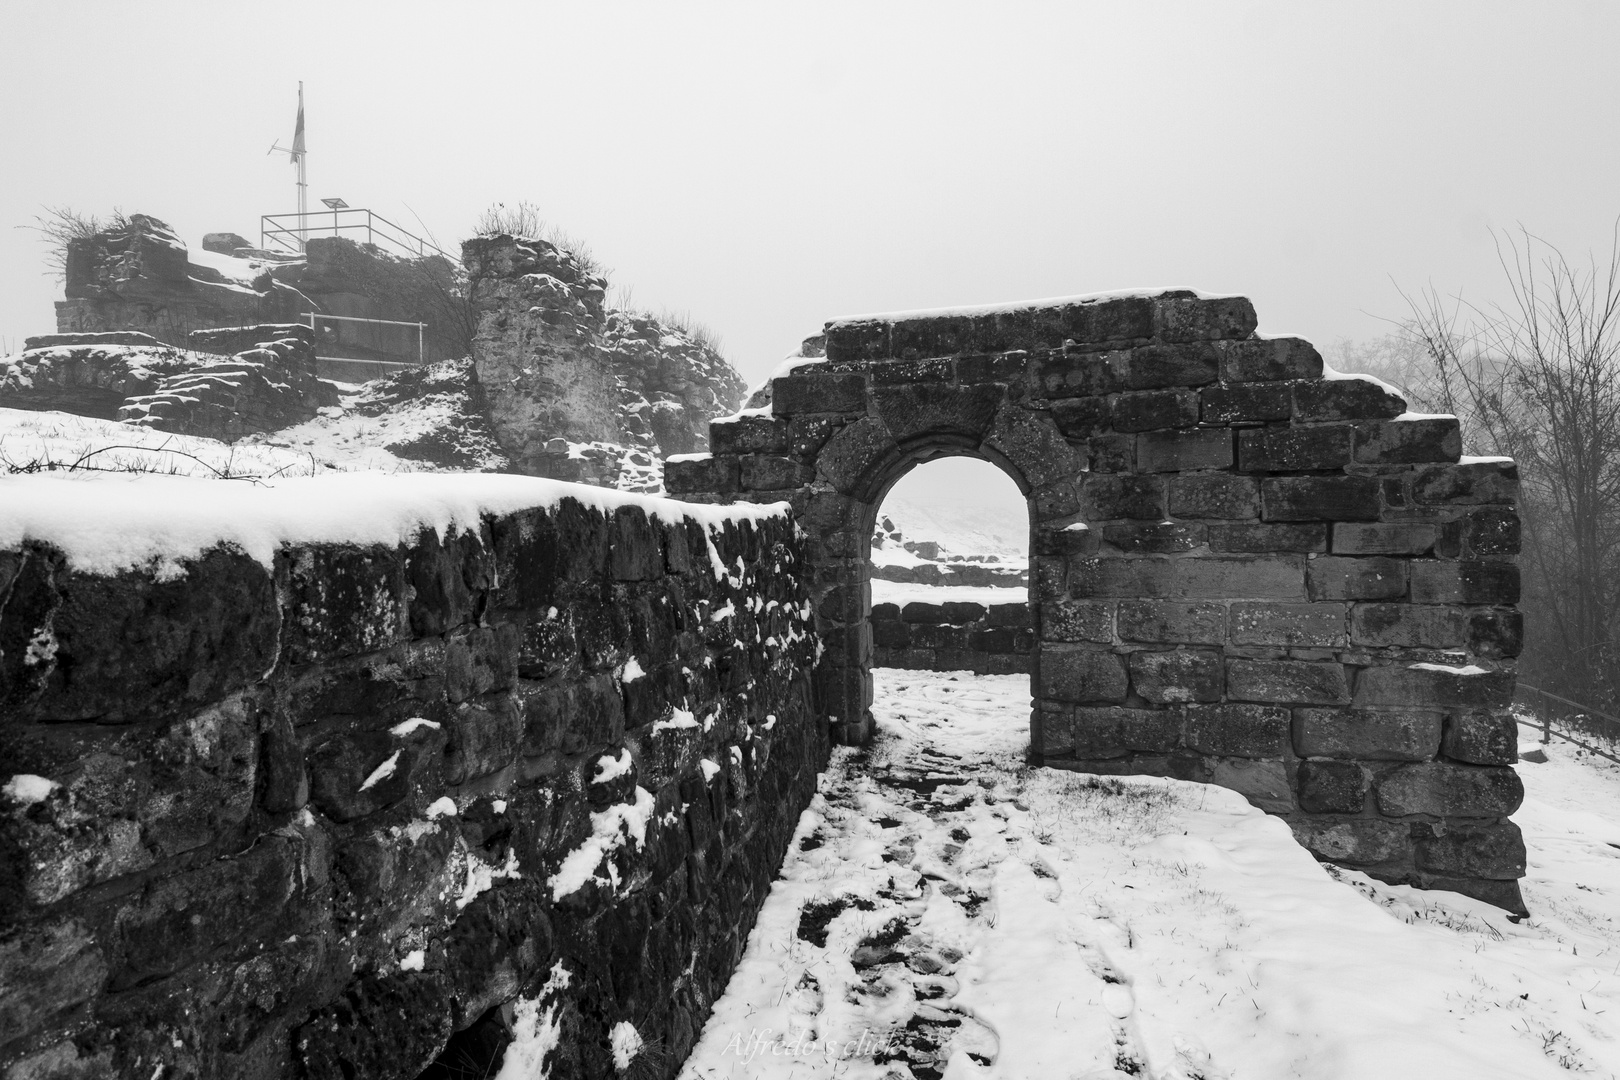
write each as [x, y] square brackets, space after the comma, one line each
[1026, 305]
[109, 523]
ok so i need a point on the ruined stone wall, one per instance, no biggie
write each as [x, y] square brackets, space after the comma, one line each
[1247, 570]
[954, 635]
[322, 818]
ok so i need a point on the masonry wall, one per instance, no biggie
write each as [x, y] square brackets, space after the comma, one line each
[322, 819]
[1247, 570]
[954, 635]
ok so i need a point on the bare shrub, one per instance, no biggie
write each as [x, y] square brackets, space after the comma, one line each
[58, 225]
[524, 219]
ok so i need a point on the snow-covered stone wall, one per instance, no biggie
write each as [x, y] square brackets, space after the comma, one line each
[341, 775]
[981, 636]
[1248, 569]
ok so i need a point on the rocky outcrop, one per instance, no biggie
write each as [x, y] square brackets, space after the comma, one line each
[268, 385]
[139, 276]
[88, 374]
[559, 371]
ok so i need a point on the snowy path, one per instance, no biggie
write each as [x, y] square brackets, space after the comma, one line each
[947, 911]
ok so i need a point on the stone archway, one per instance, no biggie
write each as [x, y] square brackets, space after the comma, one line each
[1246, 570]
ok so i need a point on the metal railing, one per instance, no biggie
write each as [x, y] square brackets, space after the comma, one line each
[288, 232]
[421, 335]
[1582, 718]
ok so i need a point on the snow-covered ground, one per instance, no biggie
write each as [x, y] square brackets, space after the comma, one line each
[946, 910]
[59, 439]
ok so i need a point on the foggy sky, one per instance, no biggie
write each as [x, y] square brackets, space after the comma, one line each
[767, 167]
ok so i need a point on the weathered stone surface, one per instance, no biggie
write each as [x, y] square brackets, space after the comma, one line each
[1259, 539]
[1161, 537]
[1425, 626]
[1294, 682]
[1355, 843]
[1149, 410]
[1482, 737]
[1367, 734]
[1269, 359]
[818, 393]
[1251, 731]
[1165, 622]
[1215, 495]
[1177, 677]
[1278, 577]
[1332, 787]
[1082, 675]
[1345, 399]
[1176, 451]
[1290, 449]
[1320, 498]
[1337, 578]
[1138, 497]
[1489, 481]
[1479, 851]
[1402, 442]
[1445, 790]
[1250, 403]
[1384, 538]
[1077, 620]
[1445, 582]
[1434, 686]
[1287, 624]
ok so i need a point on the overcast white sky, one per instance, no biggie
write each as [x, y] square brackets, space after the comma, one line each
[770, 166]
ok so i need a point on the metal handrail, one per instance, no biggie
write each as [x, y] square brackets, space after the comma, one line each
[374, 225]
[1547, 731]
[421, 331]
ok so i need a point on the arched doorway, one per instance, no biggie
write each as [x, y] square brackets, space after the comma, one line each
[1246, 569]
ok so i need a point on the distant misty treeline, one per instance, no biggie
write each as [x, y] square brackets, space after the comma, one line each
[1535, 376]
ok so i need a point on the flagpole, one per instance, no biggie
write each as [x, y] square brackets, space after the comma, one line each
[303, 179]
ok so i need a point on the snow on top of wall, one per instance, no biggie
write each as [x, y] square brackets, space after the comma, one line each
[1024, 305]
[106, 523]
[1330, 374]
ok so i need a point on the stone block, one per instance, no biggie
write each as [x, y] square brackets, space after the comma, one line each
[1335, 578]
[808, 434]
[1490, 480]
[852, 456]
[1479, 851]
[1077, 620]
[1033, 446]
[807, 391]
[1111, 453]
[749, 435]
[1415, 626]
[1177, 317]
[1150, 410]
[898, 372]
[1332, 787]
[928, 409]
[854, 340]
[355, 775]
[1482, 737]
[1469, 582]
[1106, 497]
[1177, 677]
[1158, 367]
[1263, 783]
[1384, 537]
[1090, 322]
[482, 738]
[1351, 398]
[1259, 577]
[1268, 360]
[1320, 498]
[702, 474]
[769, 472]
[1249, 731]
[1008, 367]
[1160, 537]
[1363, 842]
[1294, 449]
[889, 633]
[1264, 538]
[931, 336]
[1310, 624]
[1167, 622]
[635, 548]
[1215, 495]
[1290, 682]
[1406, 442]
[1185, 450]
[1493, 530]
[1082, 675]
[1495, 632]
[1247, 403]
[1080, 417]
[45, 969]
[1080, 375]
[1442, 789]
[1367, 734]
[1435, 686]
